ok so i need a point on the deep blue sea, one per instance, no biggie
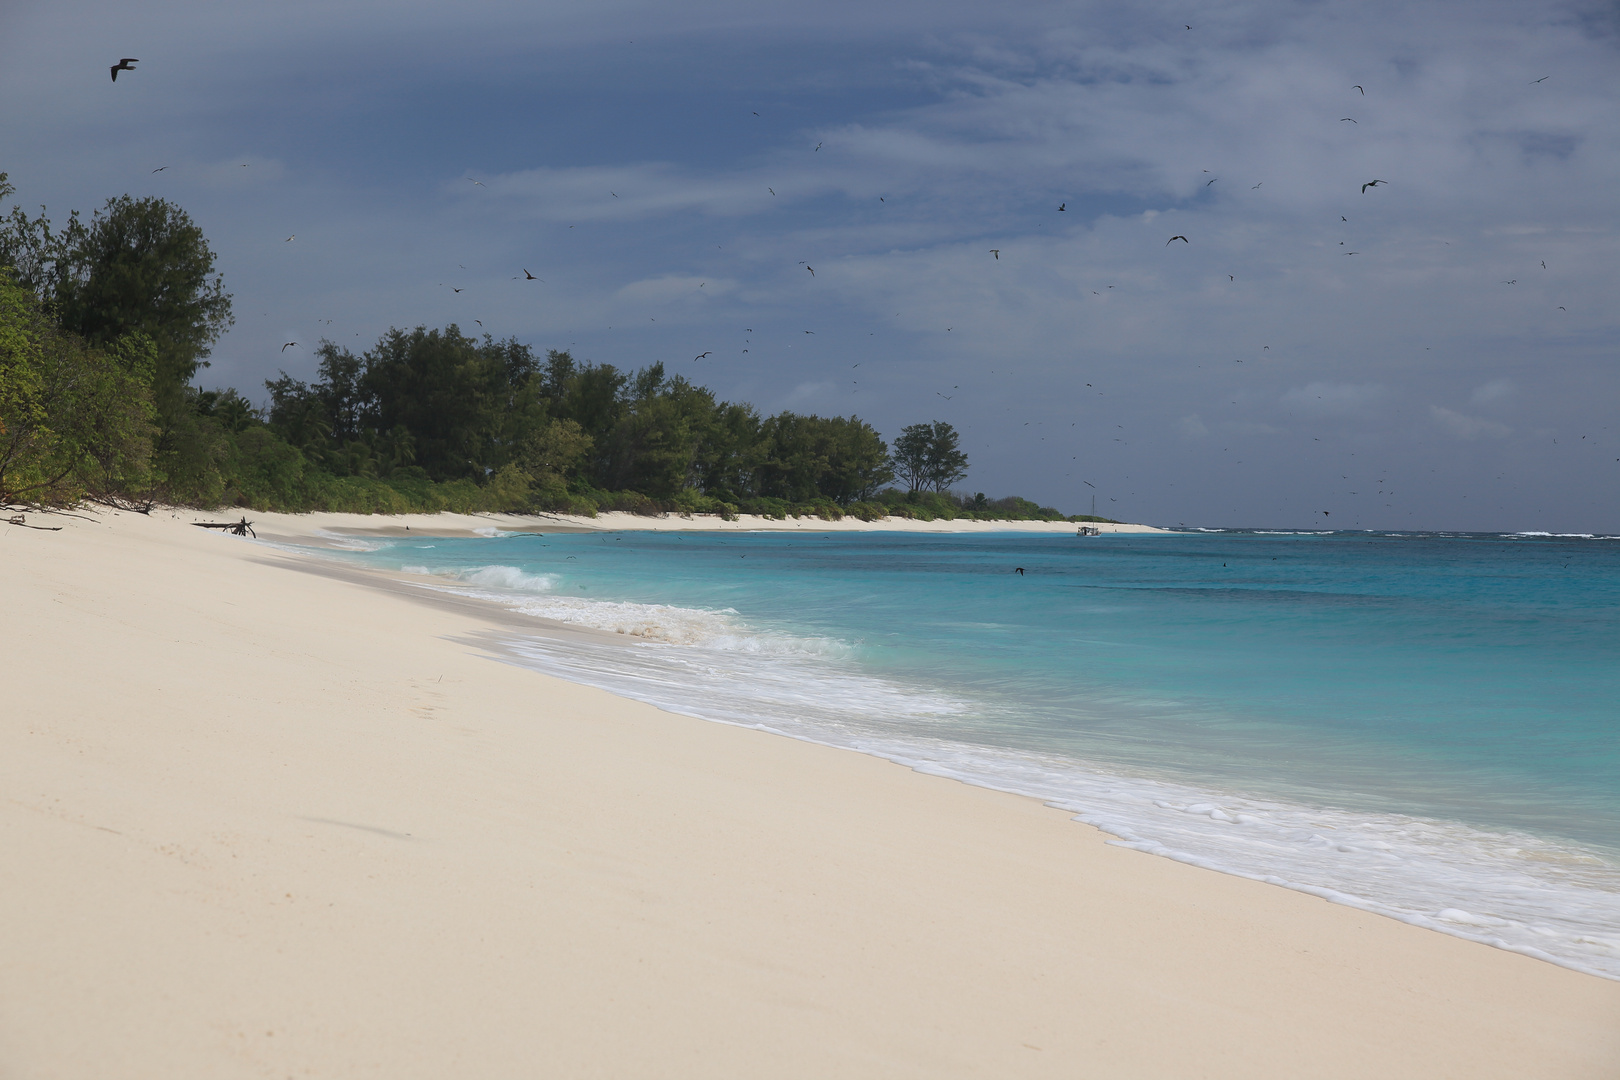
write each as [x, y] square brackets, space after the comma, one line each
[1424, 725]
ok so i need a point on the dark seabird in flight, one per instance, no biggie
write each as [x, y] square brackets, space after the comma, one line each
[1350, 119]
[285, 346]
[700, 356]
[1019, 570]
[1363, 92]
[160, 170]
[997, 253]
[124, 65]
[1063, 206]
[1173, 239]
[1371, 183]
[528, 276]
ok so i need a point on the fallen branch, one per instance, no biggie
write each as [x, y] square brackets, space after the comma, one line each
[17, 519]
[235, 528]
[118, 503]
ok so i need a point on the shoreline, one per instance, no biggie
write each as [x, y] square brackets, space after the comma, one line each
[1087, 789]
[322, 526]
[295, 824]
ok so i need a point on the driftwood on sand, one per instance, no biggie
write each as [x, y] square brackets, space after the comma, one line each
[235, 528]
[18, 519]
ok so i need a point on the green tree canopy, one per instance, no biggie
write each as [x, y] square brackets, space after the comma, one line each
[926, 456]
[139, 265]
[74, 419]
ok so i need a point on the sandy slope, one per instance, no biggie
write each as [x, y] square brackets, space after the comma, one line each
[263, 822]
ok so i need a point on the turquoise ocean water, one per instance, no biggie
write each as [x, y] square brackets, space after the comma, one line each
[1423, 725]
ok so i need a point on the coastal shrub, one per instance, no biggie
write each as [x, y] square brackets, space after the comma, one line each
[772, 509]
[828, 511]
[74, 419]
[507, 492]
[267, 473]
[631, 502]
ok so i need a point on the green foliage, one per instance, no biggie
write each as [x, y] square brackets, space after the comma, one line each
[140, 267]
[75, 420]
[926, 457]
[104, 325]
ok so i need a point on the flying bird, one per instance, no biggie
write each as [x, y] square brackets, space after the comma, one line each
[997, 253]
[1257, 185]
[1173, 239]
[1363, 92]
[1019, 570]
[1561, 307]
[124, 65]
[809, 331]
[818, 147]
[1544, 264]
[812, 273]
[160, 170]
[285, 346]
[771, 190]
[1515, 281]
[454, 289]
[1371, 183]
[528, 276]
[1533, 82]
[1212, 181]
[1063, 206]
[700, 356]
[289, 239]
[478, 182]
[1351, 119]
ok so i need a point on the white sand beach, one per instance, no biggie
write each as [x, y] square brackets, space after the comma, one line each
[317, 528]
[262, 818]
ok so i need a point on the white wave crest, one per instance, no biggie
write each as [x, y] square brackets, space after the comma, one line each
[664, 624]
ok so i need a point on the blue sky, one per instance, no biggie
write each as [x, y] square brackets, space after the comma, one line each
[1310, 347]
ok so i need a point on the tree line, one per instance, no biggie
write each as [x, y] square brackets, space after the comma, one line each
[105, 325]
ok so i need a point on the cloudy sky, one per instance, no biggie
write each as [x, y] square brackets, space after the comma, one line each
[1438, 351]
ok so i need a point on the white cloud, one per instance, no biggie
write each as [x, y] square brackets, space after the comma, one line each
[1468, 427]
[1494, 391]
[1334, 399]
